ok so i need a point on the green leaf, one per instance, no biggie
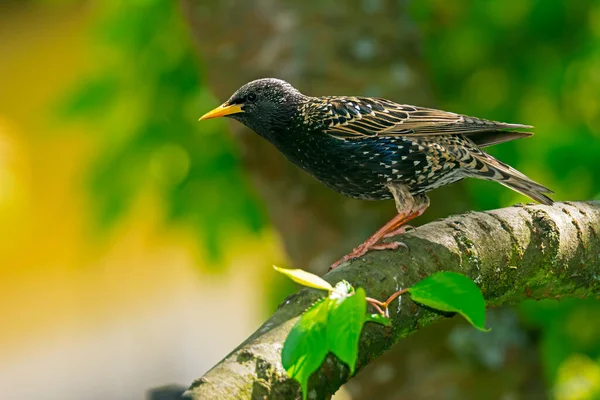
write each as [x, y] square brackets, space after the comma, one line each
[449, 291]
[305, 278]
[378, 319]
[345, 322]
[306, 347]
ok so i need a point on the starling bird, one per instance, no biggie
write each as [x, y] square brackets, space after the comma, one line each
[375, 149]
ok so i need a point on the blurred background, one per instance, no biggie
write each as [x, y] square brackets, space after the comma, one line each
[136, 244]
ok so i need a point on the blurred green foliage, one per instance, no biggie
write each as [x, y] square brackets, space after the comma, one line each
[527, 61]
[145, 97]
[535, 62]
[569, 327]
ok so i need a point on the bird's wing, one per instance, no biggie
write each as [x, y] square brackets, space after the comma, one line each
[353, 117]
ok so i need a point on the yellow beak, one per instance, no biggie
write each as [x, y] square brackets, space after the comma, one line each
[223, 110]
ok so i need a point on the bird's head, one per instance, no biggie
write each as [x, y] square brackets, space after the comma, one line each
[263, 105]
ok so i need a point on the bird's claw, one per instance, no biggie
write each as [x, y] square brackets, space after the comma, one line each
[364, 248]
[389, 246]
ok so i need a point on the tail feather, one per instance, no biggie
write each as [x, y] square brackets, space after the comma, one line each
[506, 175]
[526, 188]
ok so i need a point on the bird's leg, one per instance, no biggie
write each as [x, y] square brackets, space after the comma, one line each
[372, 243]
[421, 203]
[408, 207]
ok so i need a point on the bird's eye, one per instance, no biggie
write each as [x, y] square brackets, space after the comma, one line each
[251, 98]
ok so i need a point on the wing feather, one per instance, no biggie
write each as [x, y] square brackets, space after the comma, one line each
[354, 117]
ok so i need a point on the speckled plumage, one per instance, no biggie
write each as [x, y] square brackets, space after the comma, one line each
[375, 149]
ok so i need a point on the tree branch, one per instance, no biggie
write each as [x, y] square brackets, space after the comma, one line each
[513, 254]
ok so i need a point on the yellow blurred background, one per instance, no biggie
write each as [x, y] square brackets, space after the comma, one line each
[83, 318]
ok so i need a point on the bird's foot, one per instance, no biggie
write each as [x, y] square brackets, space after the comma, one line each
[398, 231]
[366, 247]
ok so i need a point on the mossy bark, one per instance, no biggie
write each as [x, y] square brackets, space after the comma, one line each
[513, 254]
